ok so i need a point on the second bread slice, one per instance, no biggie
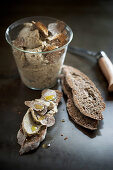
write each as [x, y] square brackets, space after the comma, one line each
[79, 118]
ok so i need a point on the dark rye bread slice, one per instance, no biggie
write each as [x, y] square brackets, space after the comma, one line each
[79, 118]
[73, 111]
[30, 143]
[86, 96]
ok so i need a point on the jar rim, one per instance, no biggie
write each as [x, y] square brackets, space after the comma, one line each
[33, 52]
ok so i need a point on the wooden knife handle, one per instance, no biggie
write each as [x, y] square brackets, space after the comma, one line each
[107, 69]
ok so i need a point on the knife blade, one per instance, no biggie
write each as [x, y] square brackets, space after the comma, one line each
[104, 62]
[81, 51]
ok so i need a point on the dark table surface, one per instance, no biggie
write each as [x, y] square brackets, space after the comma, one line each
[93, 29]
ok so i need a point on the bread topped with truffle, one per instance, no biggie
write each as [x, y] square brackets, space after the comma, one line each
[37, 119]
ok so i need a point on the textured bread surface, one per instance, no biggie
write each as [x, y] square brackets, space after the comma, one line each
[86, 96]
[74, 112]
[79, 118]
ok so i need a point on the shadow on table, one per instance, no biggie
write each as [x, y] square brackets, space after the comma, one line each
[88, 132]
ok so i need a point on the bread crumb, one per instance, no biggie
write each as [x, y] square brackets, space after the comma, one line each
[65, 138]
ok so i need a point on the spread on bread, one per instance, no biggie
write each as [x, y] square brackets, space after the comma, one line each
[38, 117]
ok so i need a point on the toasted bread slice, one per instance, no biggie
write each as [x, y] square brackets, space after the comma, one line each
[86, 96]
[42, 28]
[30, 143]
[79, 118]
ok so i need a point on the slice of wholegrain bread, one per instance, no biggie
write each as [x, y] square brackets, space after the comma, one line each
[86, 96]
[74, 112]
[79, 118]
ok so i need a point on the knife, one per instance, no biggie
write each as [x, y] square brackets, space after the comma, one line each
[104, 62]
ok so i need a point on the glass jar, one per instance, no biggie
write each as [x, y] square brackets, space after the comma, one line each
[38, 70]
